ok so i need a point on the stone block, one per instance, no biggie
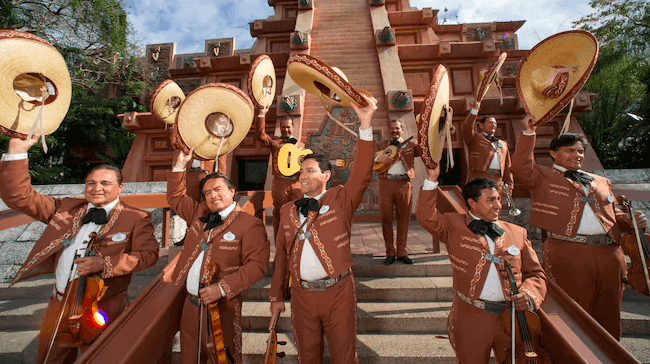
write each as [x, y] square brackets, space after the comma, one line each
[13, 233]
[8, 272]
[33, 232]
[15, 253]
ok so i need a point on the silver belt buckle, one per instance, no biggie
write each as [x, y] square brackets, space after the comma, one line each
[315, 285]
[479, 304]
[303, 236]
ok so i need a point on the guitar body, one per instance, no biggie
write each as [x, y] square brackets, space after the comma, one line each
[391, 151]
[289, 159]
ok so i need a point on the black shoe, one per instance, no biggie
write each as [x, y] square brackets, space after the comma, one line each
[405, 259]
[389, 260]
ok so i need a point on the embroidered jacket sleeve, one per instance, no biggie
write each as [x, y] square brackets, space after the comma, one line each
[523, 162]
[429, 217]
[17, 192]
[255, 251]
[260, 133]
[141, 252]
[182, 204]
[469, 128]
[507, 170]
[280, 266]
[359, 178]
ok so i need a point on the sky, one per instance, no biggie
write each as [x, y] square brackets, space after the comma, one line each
[189, 23]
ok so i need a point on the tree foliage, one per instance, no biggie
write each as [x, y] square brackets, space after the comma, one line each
[621, 79]
[94, 37]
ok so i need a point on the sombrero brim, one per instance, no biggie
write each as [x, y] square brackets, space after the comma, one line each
[190, 130]
[490, 76]
[260, 69]
[428, 127]
[24, 53]
[167, 90]
[319, 79]
[575, 49]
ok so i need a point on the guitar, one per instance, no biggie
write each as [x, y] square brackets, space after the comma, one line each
[294, 156]
[272, 344]
[391, 151]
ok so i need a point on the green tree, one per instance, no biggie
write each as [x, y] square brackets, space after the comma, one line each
[621, 79]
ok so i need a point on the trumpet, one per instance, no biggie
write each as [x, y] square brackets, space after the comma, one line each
[513, 210]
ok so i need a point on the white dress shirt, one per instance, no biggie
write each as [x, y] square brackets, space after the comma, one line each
[494, 164]
[194, 275]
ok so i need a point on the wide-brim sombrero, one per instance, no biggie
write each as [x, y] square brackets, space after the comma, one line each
[554, 71]
[166, 100]
[261, 81]
[194, 126]
[429, 128]
[490, 76]
[29, 65]
[323, 81]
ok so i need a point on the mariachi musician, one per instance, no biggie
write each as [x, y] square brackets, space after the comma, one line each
[395, 191]
[489, 156]
[125, 236]
[479, 245]
[283, 188]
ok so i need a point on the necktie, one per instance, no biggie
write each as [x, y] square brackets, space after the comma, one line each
[580, 177]
[307, 204]
[291, 140]
[96, 215]
[492, 138]
[394, 142]
[211, 220]
[486, 228]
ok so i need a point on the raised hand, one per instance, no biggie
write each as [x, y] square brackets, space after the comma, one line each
[365, 114]
[433, 174]
[181, 159]
[529, 124]
[18, 146]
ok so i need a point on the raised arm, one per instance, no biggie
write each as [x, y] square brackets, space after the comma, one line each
[469, 125]
[523, 159]
[182, 204]
[260, 129]
[426, 210]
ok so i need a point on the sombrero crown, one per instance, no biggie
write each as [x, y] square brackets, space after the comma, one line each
[323, 81]
[213, 120]
[552, 73]
[33, 79]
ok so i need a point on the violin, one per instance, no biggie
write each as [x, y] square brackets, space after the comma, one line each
[527, 331]
[80, 321]
[637, 248]
[272, 343]
[391, 151]
[216, 347]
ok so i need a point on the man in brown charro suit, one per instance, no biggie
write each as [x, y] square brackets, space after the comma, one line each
[488, 155]
[578, 210]
[478, 245]
[218, 231]
[283, 188]
[395, 192]
[126, 241]
[323, 295]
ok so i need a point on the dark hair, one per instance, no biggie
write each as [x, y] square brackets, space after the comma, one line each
[322, 160]
[567, 140]
[395, 121]
[225, 178]
[484, 119]
[472, 189]
[102, 167]
[287, 117]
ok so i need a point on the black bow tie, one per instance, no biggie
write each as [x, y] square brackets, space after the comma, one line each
[394, 142]
[492, 138]
[96, 215]
[291, 140]
[307, 204]
[211, 220]
[486, 228]
[580, 177]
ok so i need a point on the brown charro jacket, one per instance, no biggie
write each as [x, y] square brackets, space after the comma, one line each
[481, 151]
[407, 156]
[272, 142]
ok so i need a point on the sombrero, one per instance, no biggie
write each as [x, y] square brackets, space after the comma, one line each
[31, 70]
[166, 100]
[489, 77]
[552, 73]
[213, 120]
[323, 81]
[431, 133]
[261, 81]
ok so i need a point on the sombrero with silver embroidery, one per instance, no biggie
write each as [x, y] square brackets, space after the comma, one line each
[434, 122]
[261, 81]
[35, 86]
[552, 73]
[213, 120]
[323, 81]
[166, 100]
[490, 77]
